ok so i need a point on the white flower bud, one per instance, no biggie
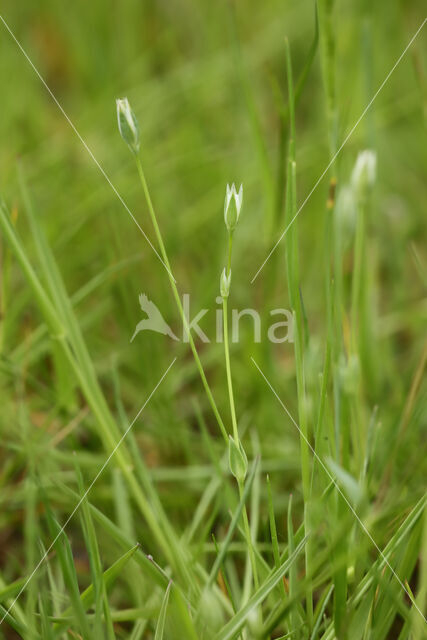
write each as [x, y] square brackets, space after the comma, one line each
[128, 124]
[364, 172]
[232, 206]
[224, 284]
[237, 459]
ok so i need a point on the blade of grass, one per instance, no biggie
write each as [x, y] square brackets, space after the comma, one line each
[47, 631]
[236, 516]
[89, 596]
[98, 582]
[66, 561]
[63, 322]
[232, 628]
[160, 627]
[123, 540]
[21, 629]
[273, 532]
[318, 619]
[110, 432]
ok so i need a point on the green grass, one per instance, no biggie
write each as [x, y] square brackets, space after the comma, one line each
[165, 542]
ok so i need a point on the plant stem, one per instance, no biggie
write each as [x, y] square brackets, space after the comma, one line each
[178, 300]
[230, 248]
[249, 538]
[247, 530]
[227, 347]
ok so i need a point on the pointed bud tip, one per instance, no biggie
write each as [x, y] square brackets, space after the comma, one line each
[127, 124]
[237, 459]
[232, 206]
[224, 284]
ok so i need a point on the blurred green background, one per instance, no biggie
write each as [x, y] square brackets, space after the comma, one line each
[177, 63]
[206, 81]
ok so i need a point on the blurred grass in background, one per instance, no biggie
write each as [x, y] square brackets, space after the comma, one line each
[208, 115]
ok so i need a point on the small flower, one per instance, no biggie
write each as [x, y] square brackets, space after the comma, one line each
[232, 206]
[224, 284]
[364, 172]
[128, 124]
[237, 459]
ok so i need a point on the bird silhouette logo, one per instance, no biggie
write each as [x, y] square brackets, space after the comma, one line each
[154, 321]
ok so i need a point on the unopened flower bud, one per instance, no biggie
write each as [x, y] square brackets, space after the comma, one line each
[224, 284]
[128, 124]
[237, 459]
[232, 206]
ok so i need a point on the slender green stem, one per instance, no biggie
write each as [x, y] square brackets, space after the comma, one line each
[178, 300]
[248, 537]
[247, 530]
[230, 248]
[228, 370]
[227, 347]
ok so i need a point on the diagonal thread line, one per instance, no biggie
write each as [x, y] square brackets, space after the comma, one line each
[43, 81]
[342, 494]
[346, 139]
[43, 558]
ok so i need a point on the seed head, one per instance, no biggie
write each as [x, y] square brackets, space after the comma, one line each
[232, 206]
[128, 124]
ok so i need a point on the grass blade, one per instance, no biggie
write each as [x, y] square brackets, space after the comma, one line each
[232, 628]
[160, 628]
